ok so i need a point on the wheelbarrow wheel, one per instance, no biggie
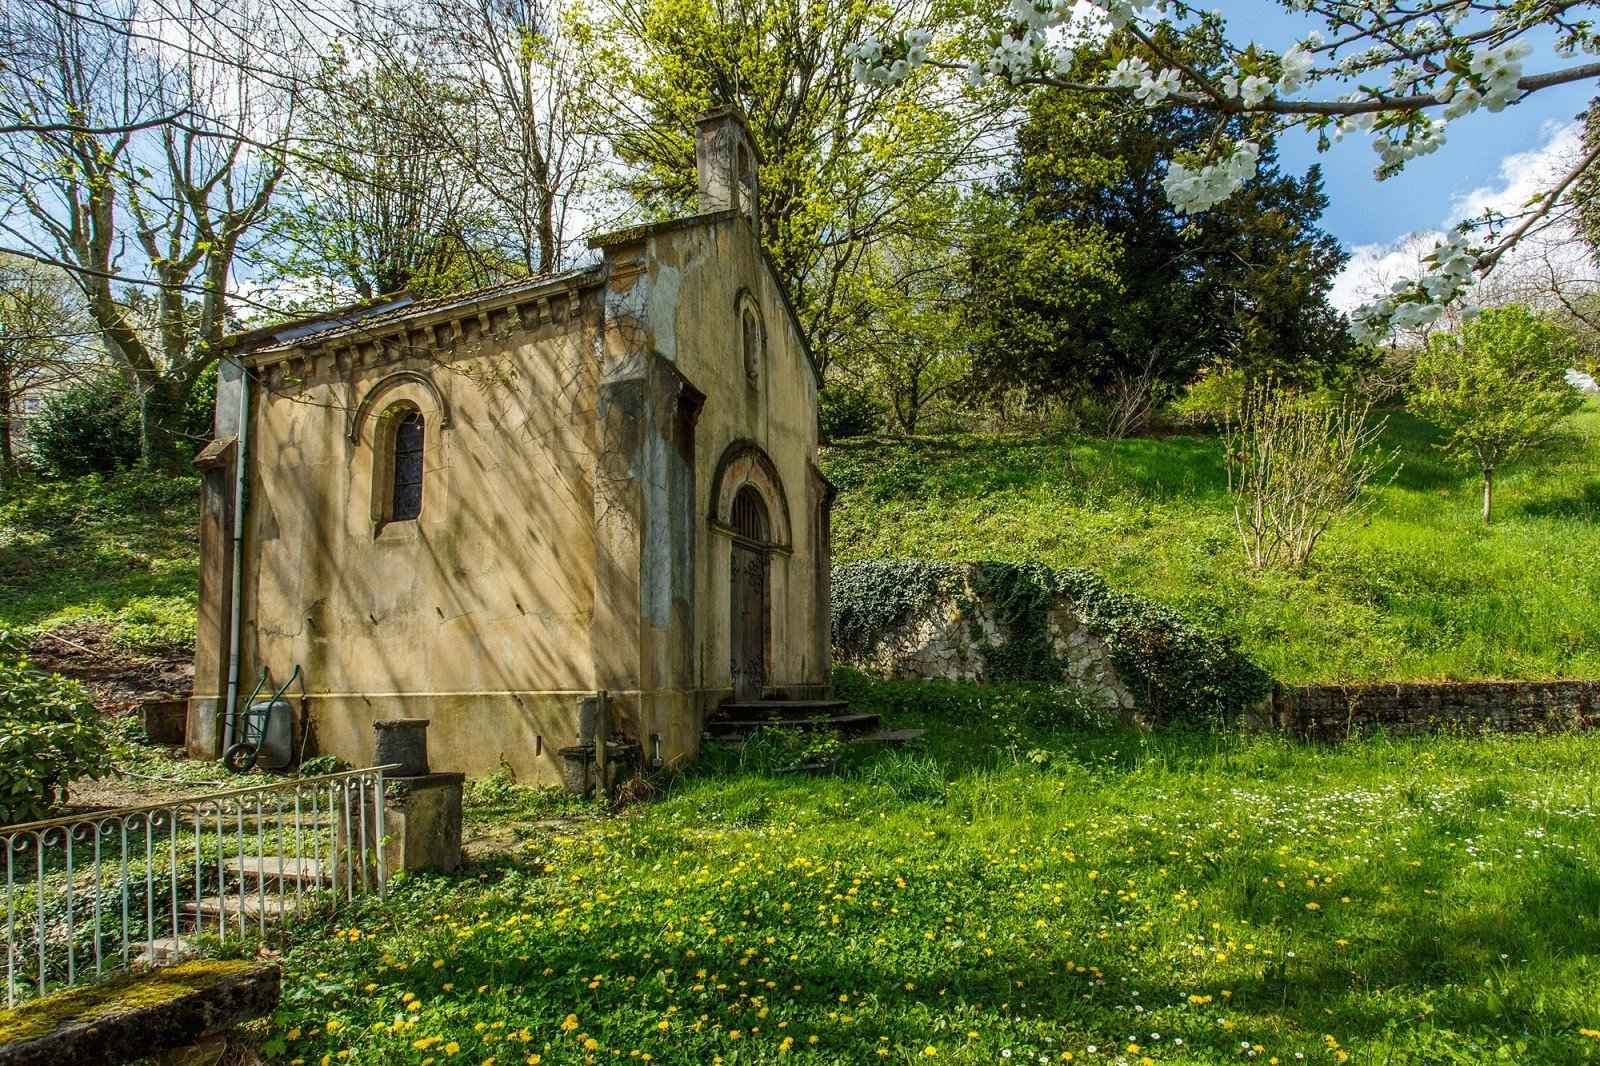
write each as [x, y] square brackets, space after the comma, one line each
[240, 758]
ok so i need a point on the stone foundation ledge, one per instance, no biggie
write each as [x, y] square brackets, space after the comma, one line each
[132, 1017]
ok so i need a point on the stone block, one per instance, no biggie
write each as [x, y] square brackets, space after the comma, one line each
[130, 1018]
[422, 823]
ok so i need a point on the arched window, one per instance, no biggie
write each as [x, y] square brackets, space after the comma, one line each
[750, 516]
[406, 493]
[751, 339]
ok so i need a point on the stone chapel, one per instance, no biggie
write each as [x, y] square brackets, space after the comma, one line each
[485, 508]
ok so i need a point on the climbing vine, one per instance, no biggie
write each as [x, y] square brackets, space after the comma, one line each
[1174, 669]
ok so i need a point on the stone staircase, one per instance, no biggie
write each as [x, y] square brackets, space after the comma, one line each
[736, 720]
[258, 888]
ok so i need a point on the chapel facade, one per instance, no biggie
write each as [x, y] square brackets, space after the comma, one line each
[483, 509]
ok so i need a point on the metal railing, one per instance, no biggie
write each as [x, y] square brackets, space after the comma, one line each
[93, 893]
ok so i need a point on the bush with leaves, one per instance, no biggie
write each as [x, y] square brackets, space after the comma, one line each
[50, 734]
[844, 411]
[1498, 387]
[93, 426]
[1175, 669]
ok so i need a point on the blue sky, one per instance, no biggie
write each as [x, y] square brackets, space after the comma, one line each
[1363, 211]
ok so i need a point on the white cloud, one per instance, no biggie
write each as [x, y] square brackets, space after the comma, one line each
[1522, 177]
[1374, 267]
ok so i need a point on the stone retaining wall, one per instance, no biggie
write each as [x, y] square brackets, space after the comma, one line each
[946, 641]
[1333, 712]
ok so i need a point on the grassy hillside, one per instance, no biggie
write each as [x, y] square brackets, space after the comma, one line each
[1418, 589]
[121, 551]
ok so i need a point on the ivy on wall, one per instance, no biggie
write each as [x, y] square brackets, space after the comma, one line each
[1175, 670]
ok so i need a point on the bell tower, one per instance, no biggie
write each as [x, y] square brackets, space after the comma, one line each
[725, 155]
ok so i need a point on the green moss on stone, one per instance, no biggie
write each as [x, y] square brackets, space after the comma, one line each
[120, 995]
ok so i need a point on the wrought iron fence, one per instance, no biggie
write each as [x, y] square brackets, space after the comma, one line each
[94, 893]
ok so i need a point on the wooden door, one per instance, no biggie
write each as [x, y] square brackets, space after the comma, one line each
[747, 619]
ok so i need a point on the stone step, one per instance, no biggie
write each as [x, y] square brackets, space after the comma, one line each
[893, 738]
[852, 724]
[781, 709]
[250, 869]
[229, 907]
[164, 950]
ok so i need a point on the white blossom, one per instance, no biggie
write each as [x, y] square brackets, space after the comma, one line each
[1296, 65]
[1195, 190]
[1255, 89]
[1420, 302]
[1152, 90]
[1128, 73]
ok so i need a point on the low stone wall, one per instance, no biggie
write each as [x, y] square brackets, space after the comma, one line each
[950, 638]
[1333, 712]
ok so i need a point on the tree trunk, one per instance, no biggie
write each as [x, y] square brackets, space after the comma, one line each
[161, 439]
[1488, 492]
[8, 459]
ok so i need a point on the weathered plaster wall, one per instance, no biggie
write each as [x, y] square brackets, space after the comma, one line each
[776, 409]
[673, 343]
[478, 614]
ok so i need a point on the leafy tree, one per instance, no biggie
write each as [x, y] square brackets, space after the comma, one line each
[1400, 74]
[377, 201]
[907, 340]
[44, 341]
[1498, 387]
[839, 158]
[116, 189]
[1094, 280]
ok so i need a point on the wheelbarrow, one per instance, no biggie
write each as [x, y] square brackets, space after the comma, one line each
[255, 722]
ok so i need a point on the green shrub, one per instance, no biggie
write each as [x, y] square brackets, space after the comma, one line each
[50, 734]
[91, 427]
[1210, 398]
[843, 412]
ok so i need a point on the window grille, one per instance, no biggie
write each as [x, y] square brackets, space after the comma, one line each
[408, 439]
[750, 516]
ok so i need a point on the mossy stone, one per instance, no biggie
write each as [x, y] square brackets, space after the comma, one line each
[135, 1015]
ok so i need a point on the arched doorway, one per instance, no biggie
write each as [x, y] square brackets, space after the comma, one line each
[750, 609]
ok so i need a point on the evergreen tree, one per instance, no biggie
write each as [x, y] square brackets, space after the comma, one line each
[1091, 280]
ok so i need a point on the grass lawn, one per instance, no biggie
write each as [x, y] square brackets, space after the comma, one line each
[1004, 895]
[120, 550]
[1416, 590]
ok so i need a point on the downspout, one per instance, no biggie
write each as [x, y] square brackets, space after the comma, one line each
[235, 607]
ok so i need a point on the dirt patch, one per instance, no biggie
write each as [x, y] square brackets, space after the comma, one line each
[118, 678]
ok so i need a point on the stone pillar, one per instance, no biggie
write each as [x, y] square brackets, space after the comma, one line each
[203, 736]
[421, 809]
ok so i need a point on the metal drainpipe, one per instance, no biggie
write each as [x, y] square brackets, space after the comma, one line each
[235, 606]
